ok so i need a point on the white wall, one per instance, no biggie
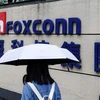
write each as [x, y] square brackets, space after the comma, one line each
[73, 86]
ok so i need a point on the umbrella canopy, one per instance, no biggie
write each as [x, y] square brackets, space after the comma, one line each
[38, 53]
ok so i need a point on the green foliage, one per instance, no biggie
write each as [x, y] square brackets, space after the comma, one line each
[1, 3]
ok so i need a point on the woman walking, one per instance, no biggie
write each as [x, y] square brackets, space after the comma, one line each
[40, 85]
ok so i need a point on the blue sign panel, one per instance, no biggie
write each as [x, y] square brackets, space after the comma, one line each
[97, 57]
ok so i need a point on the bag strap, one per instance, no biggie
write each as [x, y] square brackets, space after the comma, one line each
[38, 94]
[52, 91]
[35, 90]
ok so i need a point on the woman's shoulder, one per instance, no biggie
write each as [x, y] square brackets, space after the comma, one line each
[56, 84]
[26, 85]
[27, 88]
[28, 94]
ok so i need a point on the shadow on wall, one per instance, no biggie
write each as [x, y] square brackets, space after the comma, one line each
[9, 95]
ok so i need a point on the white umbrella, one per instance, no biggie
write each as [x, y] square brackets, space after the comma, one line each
[38, 53]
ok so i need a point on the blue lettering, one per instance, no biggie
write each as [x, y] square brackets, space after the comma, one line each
[27, 25]
[34, 27]
[60, 22]
[51, 26]
[97, 56]
[17, 27]
[47, 26]
[9, 26]
[71, 22]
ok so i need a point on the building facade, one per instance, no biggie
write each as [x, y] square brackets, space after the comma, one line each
[71, 24]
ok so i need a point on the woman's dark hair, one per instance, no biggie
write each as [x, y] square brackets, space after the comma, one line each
[24, 79]
[39, 73]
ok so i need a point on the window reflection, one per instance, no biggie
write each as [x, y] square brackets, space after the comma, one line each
[2, 2]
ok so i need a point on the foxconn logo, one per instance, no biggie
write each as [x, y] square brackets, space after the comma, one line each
[1, 26]
[2, 22]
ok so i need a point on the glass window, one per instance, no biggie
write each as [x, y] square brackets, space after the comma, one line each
[2, 2]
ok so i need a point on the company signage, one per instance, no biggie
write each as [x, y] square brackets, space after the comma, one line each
[2, 22]
[59, 26]
[47, 27]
